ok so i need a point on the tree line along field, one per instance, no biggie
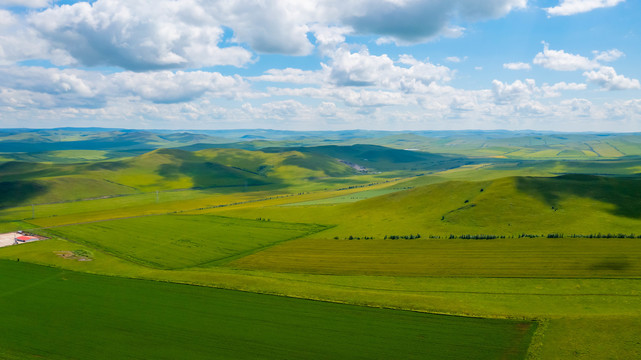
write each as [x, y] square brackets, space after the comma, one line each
[290, 237]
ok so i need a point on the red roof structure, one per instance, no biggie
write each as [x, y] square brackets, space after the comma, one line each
[25, 238]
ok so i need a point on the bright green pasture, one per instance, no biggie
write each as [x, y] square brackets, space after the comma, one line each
[57, 314]
[592, 301]
[10, 226]
[592, 338]
[487, 297]
[177, 241]
[122, 206]
[353, 197]
[525, 257]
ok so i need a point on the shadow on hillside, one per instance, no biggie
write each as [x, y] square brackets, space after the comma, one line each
[623, 193]
[17, 193]
[107, 165]
[382, 158]
[205, 174]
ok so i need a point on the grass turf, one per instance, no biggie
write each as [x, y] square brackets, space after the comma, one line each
[525, 257]
[176, 241]
[60, 314]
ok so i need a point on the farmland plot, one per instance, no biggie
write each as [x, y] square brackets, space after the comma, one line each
[178, 241]
[84, 315]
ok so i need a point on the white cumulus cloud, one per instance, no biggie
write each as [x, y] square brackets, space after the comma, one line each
[517, 66]
[20, 42]
[267, 26]
[608, 79]
[291, 75]
[137, 35]
[81, 88]
[554, 89]
[561, 61]
[362, 69]
[571, 7]
[594, 71]
[518, 90]
[608, 56]
[174, 87]
[411, 21]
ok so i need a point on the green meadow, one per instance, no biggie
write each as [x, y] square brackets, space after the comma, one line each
[489, 227]
[176, 241]
[525, 257]
[353, 197]
[91, 316]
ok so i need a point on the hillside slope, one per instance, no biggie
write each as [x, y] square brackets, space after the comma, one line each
[380, 158]
[163, 169]
[569, 204]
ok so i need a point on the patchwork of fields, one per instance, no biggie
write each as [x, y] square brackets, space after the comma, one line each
[543, 232]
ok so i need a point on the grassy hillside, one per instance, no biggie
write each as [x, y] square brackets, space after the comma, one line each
[380, 158]
[175, 169]
[571, 204]
[517, 226]
[268, 163]
[165, 169]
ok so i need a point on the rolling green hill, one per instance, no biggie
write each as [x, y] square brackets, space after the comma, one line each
[565, 226]
[569, 204]
[164, 169]
[380, 158]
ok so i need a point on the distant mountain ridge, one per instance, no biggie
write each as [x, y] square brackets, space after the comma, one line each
[471, 143]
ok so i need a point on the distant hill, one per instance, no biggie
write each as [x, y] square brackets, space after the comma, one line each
[59, 139]
[526, 145]
[380, 158]
[164, 169]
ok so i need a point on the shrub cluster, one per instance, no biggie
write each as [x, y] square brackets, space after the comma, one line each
[491, 237]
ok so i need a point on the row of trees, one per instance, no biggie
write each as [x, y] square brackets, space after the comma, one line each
[491, 237]
[584, 236]
[387, 237]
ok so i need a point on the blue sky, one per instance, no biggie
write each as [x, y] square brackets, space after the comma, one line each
[567, 65]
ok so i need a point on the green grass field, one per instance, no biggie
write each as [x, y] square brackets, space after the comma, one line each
[525, 257]
[353, 197]
[177, 241]
[90, 316]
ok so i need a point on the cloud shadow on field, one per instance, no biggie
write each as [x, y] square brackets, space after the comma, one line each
[14, 193]
[622, 192]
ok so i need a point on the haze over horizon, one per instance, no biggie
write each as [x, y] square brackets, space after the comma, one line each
[560, 65]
